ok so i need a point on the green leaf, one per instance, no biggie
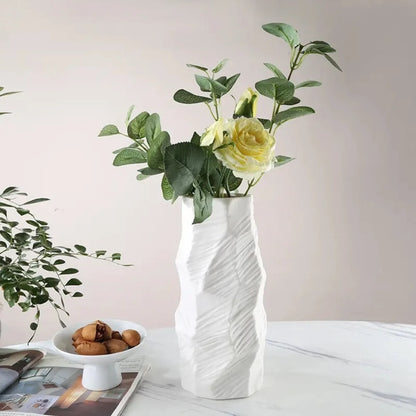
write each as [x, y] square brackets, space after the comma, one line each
[9, 190]
[115, 256]
[73, 282]
[201, 68]
[109, 130]
[35, 201]
[292, 113]
[320, 48]
[9, 93]
[69, 271]
[280, 89]
[217, 88]
[22, 211]
[220, 66]
[231, 81]
[292, 101]
[33, 326]
[99, 253]
[147, 173]
[275, 70]
[183, 164]
[202, 205]
[152, 127]
[203, 83]
[156, 152]
[196, 138]
[51, 281]
[281, 160]
[128, 116]
[77, 295]
[7, 236]
[331, 60]
[167, 191]
[284, 31]
[136, 127]
[186, 97]
[233, 182]
[308, 84]
[128, 156]
[80, 248]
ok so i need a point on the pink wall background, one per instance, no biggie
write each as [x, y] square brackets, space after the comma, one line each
[336, 226]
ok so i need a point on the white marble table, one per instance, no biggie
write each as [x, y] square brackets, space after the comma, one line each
[311, 369]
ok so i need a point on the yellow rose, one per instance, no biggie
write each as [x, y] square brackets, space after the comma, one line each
[213, 134]
[250, 150]
[247, 104]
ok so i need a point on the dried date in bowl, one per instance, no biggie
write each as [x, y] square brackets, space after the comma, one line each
[98, 338]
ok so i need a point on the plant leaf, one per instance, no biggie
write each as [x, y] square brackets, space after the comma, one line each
[292, 113]
[129, 111]
[152, 127]
[109, 130]
[292, 101]
[73, 282]
[319, 48]
[157, 150]
[35, 201]
[308, 84]
[275, 70]
[203, 83]
[183, 164]
[220, 66]
[281, 160]
[217, 88]
[136, 127]
[331, 60]
[231, 81]
[69, 271]
[278, 88]
[128, 156]
[167, 190]
[202, 205]
[201, 68]
[284, 31]
[147, 173]
[186, 97]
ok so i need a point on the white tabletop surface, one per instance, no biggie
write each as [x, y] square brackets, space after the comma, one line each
[311, 368]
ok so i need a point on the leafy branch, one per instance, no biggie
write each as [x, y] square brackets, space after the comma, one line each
[32, 267]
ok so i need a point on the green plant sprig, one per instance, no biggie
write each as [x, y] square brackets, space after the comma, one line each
[190, 169]
[31, 265]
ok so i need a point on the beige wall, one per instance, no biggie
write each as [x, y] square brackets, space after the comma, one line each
[337, 226]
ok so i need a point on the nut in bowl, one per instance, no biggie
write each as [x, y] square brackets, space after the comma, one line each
[99, 346]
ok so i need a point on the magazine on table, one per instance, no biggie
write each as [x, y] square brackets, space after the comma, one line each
[32, 382]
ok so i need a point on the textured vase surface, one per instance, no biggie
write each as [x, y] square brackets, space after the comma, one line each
[220, 320]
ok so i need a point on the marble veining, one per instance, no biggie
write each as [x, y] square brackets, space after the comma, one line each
[325, 368]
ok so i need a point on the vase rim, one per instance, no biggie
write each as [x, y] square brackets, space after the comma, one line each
[223, 197]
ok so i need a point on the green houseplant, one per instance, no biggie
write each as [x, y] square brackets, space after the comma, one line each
[220, 320]
[33, 269]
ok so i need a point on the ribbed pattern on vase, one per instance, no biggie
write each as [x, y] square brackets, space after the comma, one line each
[220, 320]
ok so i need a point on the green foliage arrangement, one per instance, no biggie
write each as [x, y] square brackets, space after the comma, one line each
[230, 151]
[32, 267]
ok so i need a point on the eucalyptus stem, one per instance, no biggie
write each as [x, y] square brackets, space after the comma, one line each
[292, 68]
[210, 110]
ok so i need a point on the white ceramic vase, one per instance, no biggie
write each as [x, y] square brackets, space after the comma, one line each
[220, 320]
